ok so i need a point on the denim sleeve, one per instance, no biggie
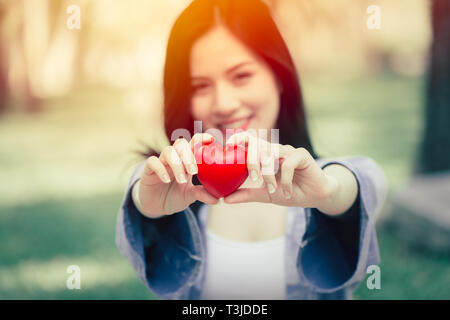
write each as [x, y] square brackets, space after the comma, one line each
[163, 251]
[336, 251]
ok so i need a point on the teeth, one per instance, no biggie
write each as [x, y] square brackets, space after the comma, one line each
[235, 125]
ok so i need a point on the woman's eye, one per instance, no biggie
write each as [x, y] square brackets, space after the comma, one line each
[242, 76]
[200, 87]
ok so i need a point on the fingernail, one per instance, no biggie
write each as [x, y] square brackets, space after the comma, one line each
[209, 140]
[254, 175]
[193, 169]
[182, 178]
[271, 188]
[166, 178]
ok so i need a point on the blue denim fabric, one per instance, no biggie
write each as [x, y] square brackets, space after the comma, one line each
[326, 257]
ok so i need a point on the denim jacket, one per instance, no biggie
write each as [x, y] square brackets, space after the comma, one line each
[325, 257]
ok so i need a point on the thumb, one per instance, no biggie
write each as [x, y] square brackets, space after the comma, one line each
[200, 193]
[248, 195]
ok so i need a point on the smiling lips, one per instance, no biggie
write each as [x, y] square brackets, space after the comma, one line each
[240, 124]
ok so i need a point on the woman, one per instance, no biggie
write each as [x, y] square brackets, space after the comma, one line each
[307, 233]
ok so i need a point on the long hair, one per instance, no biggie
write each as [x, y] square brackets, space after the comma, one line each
[251, 22]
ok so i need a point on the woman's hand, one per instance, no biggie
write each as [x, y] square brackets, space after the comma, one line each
[166, 185]
[292, 177]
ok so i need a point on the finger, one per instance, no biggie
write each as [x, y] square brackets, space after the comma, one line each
[199, 139]
[294, 159]
[170, 156]
[154, 172]
[196, 143]
[187, 157]
[200, 193]
[287, 174]
[268, 171]
[248, 195]
[240, 138]
[288, 164]
[243, 138]
[253, 158]
[304, 158]
[286, 150]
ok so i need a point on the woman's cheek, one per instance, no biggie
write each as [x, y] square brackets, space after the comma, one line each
[262, 96]
[201, 111]
[199, 108]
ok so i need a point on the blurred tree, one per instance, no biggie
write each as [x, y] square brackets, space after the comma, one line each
[50, 47]
[434, 153]
[3, 70]
[37, 51]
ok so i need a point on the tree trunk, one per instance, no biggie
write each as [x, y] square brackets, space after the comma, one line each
[434, 153]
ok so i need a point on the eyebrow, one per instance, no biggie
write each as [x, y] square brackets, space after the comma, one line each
[230, 70]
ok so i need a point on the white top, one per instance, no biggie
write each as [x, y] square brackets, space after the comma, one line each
[244, 270]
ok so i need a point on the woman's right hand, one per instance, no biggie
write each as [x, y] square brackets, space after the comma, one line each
[165, 186]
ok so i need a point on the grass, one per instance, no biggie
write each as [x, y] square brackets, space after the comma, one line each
[64, 172]
[408, 272]
[40, 240]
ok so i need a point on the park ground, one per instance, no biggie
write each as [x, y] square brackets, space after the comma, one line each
[63, 173]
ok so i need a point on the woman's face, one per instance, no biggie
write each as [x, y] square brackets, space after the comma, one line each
[232, 87]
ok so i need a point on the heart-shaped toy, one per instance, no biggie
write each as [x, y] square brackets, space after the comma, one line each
[221, 170]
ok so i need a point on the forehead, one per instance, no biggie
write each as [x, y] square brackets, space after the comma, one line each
[216, 51]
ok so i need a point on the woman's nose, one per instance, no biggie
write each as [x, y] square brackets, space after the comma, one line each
[226, 101]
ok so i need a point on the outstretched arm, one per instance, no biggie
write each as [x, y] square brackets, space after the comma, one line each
[344, 192]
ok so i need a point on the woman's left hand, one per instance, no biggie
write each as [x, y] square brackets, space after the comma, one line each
[291, 175]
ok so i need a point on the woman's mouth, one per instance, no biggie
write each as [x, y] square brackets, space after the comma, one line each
[239, 124]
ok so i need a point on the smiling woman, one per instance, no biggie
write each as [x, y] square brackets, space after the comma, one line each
[228, 67]
[220, 57]
[232, 87]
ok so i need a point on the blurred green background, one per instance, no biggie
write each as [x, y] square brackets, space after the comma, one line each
[80, 102]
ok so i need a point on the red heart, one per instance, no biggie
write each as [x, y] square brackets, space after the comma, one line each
[221, 170]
